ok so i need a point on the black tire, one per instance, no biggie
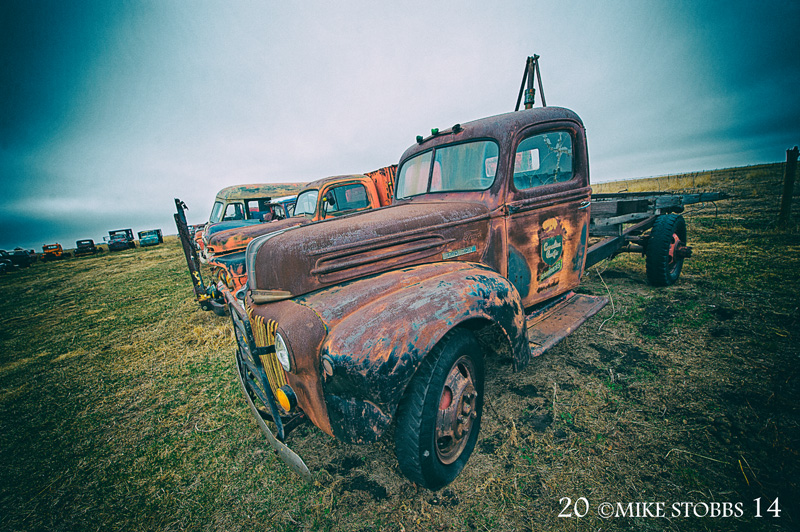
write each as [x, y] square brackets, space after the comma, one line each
[425, 452]
[663, 264]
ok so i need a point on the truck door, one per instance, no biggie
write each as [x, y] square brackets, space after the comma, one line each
[547, 216]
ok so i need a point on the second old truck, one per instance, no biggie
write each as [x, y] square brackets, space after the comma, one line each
[319, 200]
[378, 319]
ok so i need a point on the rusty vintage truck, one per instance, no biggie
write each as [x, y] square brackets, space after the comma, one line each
[120, 239]
[319, 200]
[53, 252]
[259, 211]
[375, 318]
[240, 205]
[86, 247]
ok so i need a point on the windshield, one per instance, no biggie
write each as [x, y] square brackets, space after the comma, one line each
[306, 203]
[216, 213]
[457, 167]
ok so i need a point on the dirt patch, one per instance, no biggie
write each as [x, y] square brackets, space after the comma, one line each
[364, 484]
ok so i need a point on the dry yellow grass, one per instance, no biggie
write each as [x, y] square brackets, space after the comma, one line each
[119, 407]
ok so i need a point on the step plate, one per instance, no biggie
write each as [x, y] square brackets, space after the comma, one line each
[547, 330]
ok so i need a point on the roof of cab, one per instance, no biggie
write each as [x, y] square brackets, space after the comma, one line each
[320, 182]
[243, 192]
[498, 126]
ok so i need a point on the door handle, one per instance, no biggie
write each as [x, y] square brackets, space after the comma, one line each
[584, 204]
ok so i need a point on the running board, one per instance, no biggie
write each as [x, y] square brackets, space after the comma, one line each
[562, 319]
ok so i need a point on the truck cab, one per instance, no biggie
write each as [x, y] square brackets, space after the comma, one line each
[241, 205]
[339, 195]
[151, 237]
[373, 319]
[85, 247]
[53, 252]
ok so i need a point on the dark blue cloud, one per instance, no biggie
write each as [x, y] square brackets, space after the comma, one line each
[46, 47]
[131, 103]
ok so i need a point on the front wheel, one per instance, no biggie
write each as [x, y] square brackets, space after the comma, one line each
[439, 417]
[666, 250]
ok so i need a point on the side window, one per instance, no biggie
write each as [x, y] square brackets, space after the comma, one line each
[543, 159]
[251, 209]
[352, 197]
[233, 211]
[262, 209]
[346, 198]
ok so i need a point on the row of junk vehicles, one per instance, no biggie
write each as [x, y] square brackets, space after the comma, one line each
[359, 304]
[117, 240]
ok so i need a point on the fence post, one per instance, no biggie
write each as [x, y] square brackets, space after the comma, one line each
[788, 186]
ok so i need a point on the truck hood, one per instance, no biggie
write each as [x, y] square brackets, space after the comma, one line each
[221, 227]
[303, 259]
[236, 239]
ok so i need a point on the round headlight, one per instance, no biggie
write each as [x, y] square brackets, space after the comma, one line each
[282, 353]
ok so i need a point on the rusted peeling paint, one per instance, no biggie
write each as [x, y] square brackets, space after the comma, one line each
[386, 324]
[384, 286]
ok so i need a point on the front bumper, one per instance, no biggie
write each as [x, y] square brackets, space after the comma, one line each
[255, 386]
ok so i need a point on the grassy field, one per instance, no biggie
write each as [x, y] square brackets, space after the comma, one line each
[120, 410]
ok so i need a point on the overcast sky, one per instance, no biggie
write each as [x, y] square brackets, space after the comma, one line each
[110, 109]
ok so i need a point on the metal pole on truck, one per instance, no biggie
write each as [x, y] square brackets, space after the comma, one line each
[526, 87]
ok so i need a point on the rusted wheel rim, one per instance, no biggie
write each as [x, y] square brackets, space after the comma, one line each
[675, 252]
[457, 411]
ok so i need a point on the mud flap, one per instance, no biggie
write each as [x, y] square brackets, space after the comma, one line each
[291, 458]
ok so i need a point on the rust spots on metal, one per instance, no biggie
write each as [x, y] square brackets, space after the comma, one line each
[348, 247]
[384, 179]
[303, 333]
[374, 292]
[236, 239]
[385, 325]
[252, 191]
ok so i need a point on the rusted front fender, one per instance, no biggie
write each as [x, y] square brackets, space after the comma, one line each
[381, 328]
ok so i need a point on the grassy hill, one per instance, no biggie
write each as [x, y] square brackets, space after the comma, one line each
[119, 406]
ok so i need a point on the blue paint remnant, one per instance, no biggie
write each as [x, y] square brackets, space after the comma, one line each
[519, 273]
